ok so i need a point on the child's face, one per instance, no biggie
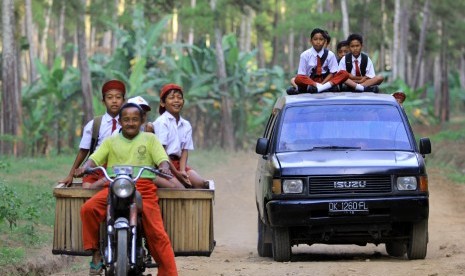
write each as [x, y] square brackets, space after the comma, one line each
[113, 101]
[318, 42]
[355, 47]
[174, 102]
[344, 50]
[130, 122]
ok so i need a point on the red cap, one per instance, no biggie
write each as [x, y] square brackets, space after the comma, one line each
[400, 96]
[164, 90]
[113, 85]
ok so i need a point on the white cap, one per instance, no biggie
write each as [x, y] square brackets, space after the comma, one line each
[140, 101]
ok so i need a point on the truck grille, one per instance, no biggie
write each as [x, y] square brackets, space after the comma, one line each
[349, 184]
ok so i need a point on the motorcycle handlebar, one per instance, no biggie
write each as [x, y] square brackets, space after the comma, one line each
[155, 171]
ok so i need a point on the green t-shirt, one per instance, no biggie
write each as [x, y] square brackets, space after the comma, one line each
[142, 150]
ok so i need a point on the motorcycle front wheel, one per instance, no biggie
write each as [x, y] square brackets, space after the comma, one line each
[122, 262]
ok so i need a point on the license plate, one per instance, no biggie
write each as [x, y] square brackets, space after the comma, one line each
[348, 208]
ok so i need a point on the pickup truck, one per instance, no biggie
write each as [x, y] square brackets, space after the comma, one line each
[341, 168]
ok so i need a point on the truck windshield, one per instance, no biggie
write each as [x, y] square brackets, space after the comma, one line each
[343, 127]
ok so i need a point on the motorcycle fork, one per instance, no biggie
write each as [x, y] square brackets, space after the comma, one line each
[133, 228]
[110, 233]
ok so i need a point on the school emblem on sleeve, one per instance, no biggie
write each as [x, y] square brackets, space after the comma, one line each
[141, 152]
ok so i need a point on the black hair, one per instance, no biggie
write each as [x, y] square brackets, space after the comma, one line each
[327, 37]
[341, 44]
[355, 37]
[128, 105]
[318, 31]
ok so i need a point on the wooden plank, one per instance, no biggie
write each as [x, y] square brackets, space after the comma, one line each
[185, 194]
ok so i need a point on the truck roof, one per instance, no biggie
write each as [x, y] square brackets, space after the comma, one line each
[332, 98]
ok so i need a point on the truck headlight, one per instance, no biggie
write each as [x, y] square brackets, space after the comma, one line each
[406, 183]
[292, 186]
[123, 187]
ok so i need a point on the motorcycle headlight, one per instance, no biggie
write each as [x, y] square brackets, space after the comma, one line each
[123, 186]
[292, 186]
[406, 183]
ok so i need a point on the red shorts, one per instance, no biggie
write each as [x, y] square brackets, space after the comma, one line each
[175, 161]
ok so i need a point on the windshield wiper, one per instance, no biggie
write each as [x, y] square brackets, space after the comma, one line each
[333, 147]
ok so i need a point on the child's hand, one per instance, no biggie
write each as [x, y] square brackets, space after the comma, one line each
[185, 178]
[67, 181]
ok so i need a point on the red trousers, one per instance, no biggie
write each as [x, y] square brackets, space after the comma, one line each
[93, 212]
[338, 78]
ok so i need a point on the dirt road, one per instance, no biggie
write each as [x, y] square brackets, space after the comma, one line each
[235, 220]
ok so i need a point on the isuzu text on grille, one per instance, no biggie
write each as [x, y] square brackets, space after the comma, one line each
[349, 184]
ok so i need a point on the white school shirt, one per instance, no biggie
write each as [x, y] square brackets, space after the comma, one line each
[370, 72]
[308, 61]
[104, 131]
[174, 136]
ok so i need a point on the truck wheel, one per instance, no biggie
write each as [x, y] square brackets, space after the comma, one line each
[122, 261]
[417, 245]
[281, 244]
[263, 248]
[396, 248]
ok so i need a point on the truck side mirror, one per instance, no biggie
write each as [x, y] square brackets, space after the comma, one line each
[262, 146]
[425, 146]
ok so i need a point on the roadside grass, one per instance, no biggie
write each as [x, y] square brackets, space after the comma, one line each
[447, 144]
[27, 205]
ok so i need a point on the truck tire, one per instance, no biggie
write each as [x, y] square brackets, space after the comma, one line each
[396, 248]
[281, 244]
[263, 248]
[122, 261]
[418, 241]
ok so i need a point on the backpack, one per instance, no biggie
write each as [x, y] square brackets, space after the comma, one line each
[323, 59]
[95, 131]
[363, 64]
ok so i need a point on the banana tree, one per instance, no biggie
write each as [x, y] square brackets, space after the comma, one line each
[49, 106]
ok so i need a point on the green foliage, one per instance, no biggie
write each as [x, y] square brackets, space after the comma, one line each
[418, 108]
[10, 255]
[10, 205]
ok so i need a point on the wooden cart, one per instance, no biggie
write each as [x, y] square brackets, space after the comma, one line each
[187, 217]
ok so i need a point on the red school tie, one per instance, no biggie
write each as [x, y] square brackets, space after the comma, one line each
[113, 126]
[318, 66]
[357, 69]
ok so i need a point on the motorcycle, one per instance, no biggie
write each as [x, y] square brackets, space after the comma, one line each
[122, 242]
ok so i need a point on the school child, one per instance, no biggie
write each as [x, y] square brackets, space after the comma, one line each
[362, 75]
[175, 134]
[342, 49]
[113, 92]
[318, 70]
[146, 126]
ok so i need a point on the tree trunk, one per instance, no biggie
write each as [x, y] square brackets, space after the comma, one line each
[86, 84]
[382, 52]
[396, 40]
[445, 104]
[61, 30]
[290, 54]
[30, 39]
[43, 43]
[404, 34]
[227, 128]
[421, 45]
[190, 38]
[11, 112]
[462, 69]
[275, 40]
[345, 18]
[261, 61]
